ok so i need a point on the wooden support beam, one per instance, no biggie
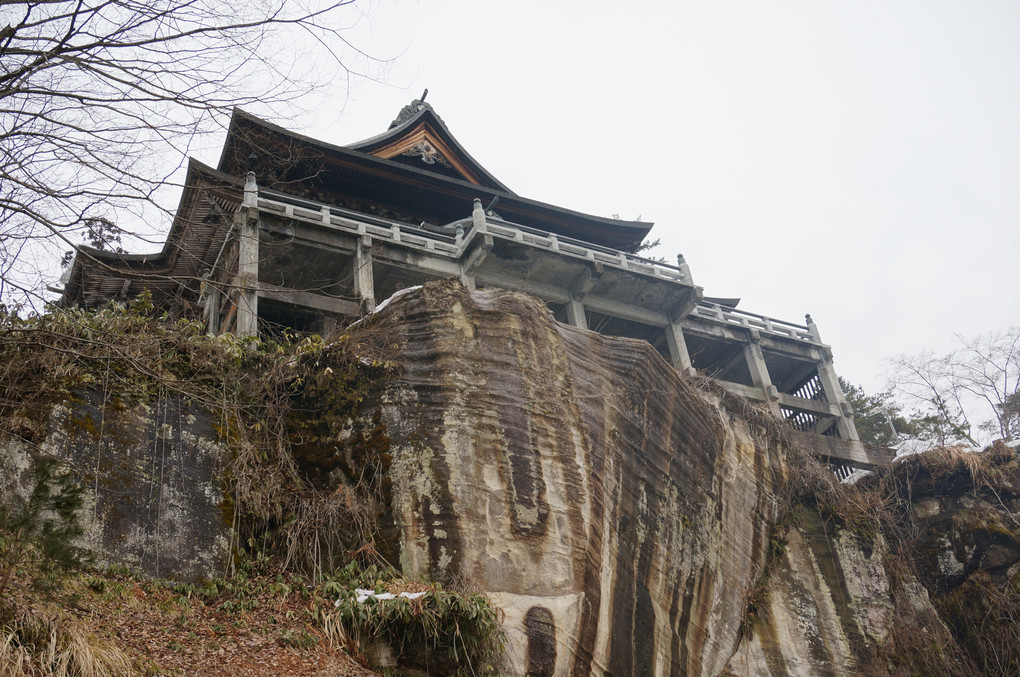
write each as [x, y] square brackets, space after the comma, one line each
[626, 311]
[477, 256]
[430, 263]
[705, 328]
[834, 393]
[845, 452]
[816, 407]
[364, 278]
[575, 314]
[760, 373]
[750, 392]
[303, 233]
[793, 348]
[306, 299]
[545, 292]
[678, 348]
[688, 301]
[587, 280]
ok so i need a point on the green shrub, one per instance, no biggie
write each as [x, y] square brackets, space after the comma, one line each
[443, 632]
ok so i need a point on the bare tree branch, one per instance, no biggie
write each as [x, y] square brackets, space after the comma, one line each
[984, 372]
[101, 99]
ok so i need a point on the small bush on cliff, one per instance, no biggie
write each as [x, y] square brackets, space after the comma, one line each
[440, 631]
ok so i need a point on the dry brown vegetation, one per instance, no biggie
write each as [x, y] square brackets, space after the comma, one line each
[110, 624]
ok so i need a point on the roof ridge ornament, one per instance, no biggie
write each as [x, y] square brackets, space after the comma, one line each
[411, 109]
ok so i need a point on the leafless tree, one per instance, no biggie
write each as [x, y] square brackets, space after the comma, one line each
[982, 374]
[101, 99]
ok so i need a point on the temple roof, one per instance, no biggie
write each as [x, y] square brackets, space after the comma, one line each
[416, 172]
[416, 169]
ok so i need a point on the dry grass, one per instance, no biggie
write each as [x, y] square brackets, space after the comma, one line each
[326, 531]
[37, 645]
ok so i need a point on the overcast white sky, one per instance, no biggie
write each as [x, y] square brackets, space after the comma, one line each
[859, 161]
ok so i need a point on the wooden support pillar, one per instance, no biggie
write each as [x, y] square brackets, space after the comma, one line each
[247, 280]
[760, 373]
[212, 308]
[364, 278]
[575, 314]
[830, 386]
[678, 348]
[834, 394]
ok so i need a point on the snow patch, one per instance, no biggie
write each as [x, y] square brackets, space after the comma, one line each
[856, 476]
[393, 297]
[912, 447]
[365, 594]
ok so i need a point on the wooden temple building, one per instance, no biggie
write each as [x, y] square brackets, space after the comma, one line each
[289, 230]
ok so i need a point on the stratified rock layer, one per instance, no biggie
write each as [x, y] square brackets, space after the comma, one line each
[619, 513]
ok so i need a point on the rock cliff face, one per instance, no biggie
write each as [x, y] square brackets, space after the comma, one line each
[623, 516]
[966, 512]
[619, 513]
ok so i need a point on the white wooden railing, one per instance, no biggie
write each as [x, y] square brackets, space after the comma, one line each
[453, 247]
[585, 250]
[741, 318]
[419, 238]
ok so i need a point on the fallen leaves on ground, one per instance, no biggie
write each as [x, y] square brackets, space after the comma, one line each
[167, 632]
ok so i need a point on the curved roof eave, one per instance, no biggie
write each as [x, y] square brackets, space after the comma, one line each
[114, 261]
[640, 229]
